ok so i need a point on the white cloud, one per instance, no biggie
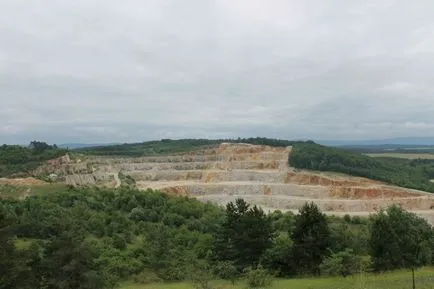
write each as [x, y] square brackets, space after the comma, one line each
[137, 70]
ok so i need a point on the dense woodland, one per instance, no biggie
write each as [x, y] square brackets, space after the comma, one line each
[20, 160]
[414, 174]
[95, 238]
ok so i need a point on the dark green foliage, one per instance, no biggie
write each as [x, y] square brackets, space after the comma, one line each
[226, 270]
[400, 239]
[414, 174]
[168, 146]
[258, 277]
[279, 258]
[244, 236]
[70, 263]
[311, 237]
[98, 236]
[349, 232]
[12, 265]
[19, 160]
[93, 238]
[343, 263]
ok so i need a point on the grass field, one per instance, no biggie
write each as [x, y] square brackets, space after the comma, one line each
[403, 155]
[394, 280]
[21, 191]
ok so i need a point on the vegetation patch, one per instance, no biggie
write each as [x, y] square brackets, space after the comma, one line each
[168, 146]
[415, 174]
[96, 238]
[17, 161]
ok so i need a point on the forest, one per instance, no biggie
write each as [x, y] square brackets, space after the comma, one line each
[415, 174]
[16, 160]
[98, 238]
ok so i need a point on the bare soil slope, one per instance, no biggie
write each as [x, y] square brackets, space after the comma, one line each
[259, 174]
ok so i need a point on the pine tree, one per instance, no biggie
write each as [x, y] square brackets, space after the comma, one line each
[311, 237]
[244, 236]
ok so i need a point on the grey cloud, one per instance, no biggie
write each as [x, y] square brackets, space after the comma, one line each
[80, 71]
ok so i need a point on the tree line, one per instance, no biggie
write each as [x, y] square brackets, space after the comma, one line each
[415, 174]
[16, 160]
[169, 146]
[95, 238]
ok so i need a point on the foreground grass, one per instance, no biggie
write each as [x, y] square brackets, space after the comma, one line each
[394, 280]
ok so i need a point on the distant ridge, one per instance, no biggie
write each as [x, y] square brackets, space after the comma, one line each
[83, 145]
[411, 141]
[407, 141]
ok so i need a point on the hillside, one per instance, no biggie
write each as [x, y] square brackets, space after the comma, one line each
[17, 160]
[350, 182]
[168, 146]
[415, 174]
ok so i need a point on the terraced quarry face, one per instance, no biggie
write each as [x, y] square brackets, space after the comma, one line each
[259, 174]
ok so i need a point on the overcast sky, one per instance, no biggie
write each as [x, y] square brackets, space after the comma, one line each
[121, 71]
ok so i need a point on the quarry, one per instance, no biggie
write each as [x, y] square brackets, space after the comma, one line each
[259, 174]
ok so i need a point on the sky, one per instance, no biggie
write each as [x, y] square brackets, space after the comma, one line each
[134, 70]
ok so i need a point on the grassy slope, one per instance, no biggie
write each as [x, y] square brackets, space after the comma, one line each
[19, 191]
[394, 280]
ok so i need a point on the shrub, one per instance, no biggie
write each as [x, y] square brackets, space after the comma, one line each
[147, 277]
[342, 263]
[258, 278]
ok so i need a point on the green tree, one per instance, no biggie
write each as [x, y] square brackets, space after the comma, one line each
[70, 263]
[400, 239]
[311, 237]
[12, 266]
[342, 263]
[278, 257]
[258, 277]
[244, 236]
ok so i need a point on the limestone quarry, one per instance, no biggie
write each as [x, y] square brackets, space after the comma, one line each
[259, 174]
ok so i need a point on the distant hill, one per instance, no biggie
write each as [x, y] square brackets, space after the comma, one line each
[169, 146]
[384, 143]
[83, 145]
[415, 174]
[412, 141]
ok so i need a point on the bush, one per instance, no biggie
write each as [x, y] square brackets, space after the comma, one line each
[226, 270]
[201, 275]
[343, 263]
[258, 278]
[147, 277]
